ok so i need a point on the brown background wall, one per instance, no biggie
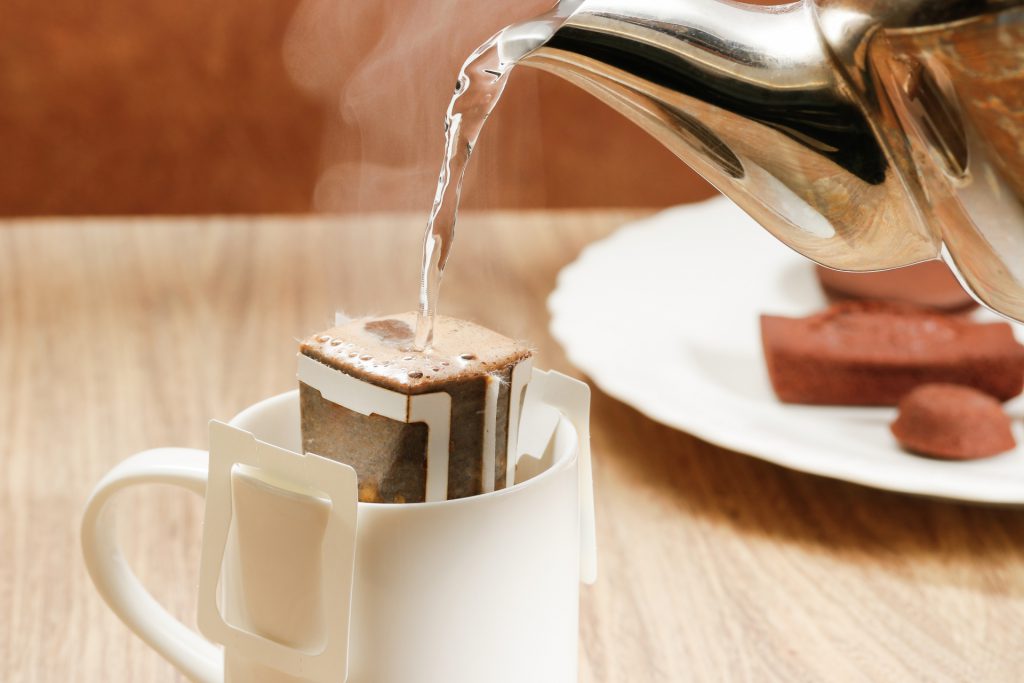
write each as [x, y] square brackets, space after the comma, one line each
[234, 106]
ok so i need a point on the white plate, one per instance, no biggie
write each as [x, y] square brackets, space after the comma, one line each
[663, 315]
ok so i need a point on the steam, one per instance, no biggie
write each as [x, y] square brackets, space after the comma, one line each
[385, 69]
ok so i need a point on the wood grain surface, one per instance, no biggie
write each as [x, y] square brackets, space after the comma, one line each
[116, 336]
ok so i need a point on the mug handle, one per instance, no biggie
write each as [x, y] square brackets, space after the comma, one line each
[195, 656]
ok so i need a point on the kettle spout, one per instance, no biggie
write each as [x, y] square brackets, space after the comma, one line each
[749, 97]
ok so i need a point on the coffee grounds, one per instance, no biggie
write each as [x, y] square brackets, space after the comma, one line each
[390, 456]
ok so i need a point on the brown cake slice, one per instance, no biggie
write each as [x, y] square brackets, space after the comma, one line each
[930, 284]
[467, 361]
[872, 353]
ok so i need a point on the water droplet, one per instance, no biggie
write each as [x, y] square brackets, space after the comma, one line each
[407, 358]
[468, 356]
[436, 369]
[323, 338]
[366, 356]
[416, 374]
[352, 354]
[335, 342]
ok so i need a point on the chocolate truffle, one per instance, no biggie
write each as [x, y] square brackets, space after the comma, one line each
[873, 353]
[471, 363]
[930, 284]
[952, 422]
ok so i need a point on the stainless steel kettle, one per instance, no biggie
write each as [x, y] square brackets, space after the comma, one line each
[865, 134]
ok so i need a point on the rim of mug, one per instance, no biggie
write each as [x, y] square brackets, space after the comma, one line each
[253, 411]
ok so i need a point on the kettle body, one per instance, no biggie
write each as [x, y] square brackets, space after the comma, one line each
[865, 134]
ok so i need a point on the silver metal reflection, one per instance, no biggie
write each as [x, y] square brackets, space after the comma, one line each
[865, 134]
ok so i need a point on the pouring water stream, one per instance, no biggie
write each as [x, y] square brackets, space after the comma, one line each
[477, 91]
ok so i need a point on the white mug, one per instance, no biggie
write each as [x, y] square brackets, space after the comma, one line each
[484, 588]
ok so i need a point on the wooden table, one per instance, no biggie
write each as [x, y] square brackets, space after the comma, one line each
[119, 335]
